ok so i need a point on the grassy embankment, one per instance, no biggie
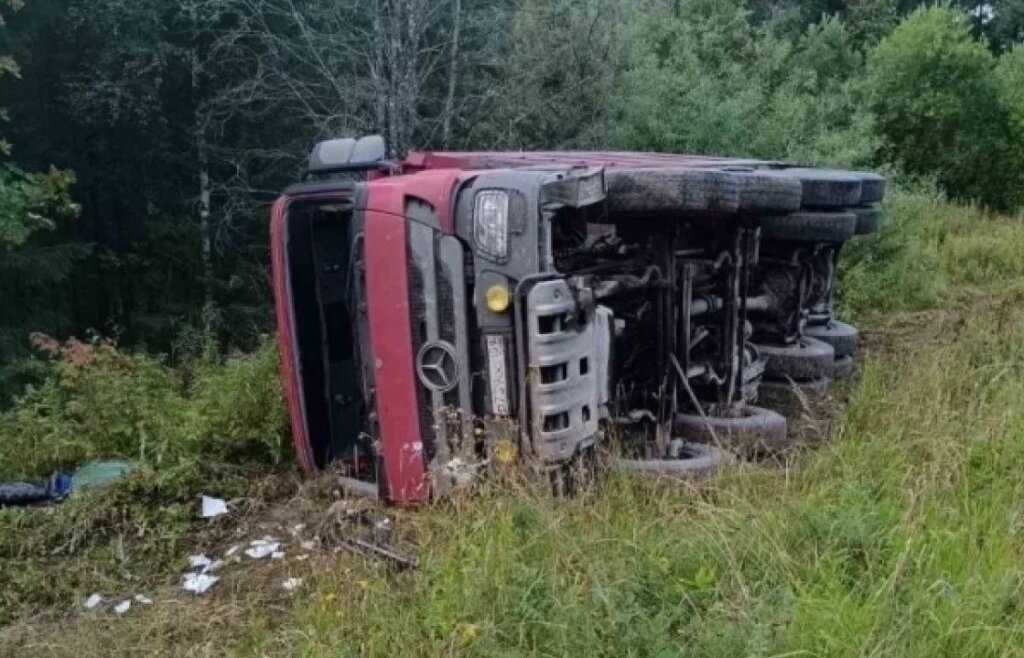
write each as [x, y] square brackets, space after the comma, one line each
[902, 537]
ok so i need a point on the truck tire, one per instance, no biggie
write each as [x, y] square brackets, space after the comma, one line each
[807, 226]
[869, 219]
[756, 430]
[764, 192]
[697, 460]
[668, 189]
[842, 367]
[824, 188]
[806, 359]
[840, 335]
[872, 187]
[789, 397]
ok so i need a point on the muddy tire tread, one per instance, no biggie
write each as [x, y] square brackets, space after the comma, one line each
[758, 430]
[806, 226]
[807, 359]
[643, 190]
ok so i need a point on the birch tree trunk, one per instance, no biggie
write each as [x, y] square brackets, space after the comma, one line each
[378, 71]
[394, 54]
[209, 312]
[453, 68]
[206, 242]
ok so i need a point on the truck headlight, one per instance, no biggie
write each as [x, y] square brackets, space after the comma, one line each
[490, 223]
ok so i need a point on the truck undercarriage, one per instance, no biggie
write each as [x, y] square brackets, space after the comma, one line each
[677, 295]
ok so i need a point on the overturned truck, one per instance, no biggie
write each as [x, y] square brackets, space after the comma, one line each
[457, 309]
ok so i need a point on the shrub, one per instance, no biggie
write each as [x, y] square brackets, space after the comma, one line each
[900, 268]
[237, 408]
[937, 106]
[1010, 74]
[703, 79]
[101, 402]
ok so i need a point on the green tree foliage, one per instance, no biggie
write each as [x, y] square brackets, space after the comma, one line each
[1010, 74]
[938, 108]
[869, 20]
[33, 270]
[697, 72]
[817, 113]
[1010, 77]
[1000, 22]
[29, 203]
[1007, 27]
[558, 72]
[158, 105]
[704, 78]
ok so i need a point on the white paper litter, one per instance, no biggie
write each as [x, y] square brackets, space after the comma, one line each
[199, 583]
[93, 601]
[291, 584]
[123, 606]
[213, 566]
[213, 507]
[143, 599]
[277, 555]
[198, 561]
[261, 548]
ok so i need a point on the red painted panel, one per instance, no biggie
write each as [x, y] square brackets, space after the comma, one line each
[436, 187]
[285, 334]
[403, 470]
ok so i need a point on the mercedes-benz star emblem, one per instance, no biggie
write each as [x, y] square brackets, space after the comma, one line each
[437, 366]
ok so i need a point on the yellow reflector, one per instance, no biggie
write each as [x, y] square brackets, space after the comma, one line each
[504, 451]
[497, 298]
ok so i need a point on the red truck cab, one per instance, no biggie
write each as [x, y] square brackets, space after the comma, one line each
[392, 294]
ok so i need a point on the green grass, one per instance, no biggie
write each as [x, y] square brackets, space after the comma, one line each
[903, 536]
[928, 250]
[987, 258]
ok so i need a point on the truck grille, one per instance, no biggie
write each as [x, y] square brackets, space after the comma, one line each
[418, 318]
[446, 321]
[437, 310]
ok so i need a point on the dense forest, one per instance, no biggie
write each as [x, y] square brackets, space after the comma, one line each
[144, 140]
